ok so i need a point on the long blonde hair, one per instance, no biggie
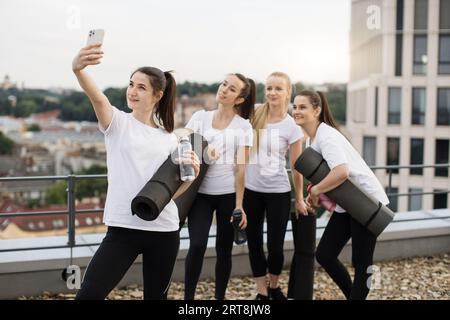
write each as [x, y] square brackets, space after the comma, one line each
[259, 119]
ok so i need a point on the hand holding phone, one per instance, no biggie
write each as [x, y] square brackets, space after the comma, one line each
[95, 37]
[92, 53]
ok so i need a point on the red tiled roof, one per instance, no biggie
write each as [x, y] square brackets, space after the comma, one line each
[48, 222]
[47, 115]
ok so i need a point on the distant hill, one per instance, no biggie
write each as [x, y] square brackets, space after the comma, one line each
[75, 106]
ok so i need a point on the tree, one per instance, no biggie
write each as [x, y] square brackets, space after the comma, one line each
[25, 107]
[5, 106]
[85, 188]
[56, 193]
[117, 97]
[92, 187]
[6, 144]
[337, 99]
[34, 127]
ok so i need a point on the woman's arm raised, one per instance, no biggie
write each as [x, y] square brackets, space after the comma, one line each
[91, 55]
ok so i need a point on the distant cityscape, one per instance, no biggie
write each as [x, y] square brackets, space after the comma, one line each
[44, 144]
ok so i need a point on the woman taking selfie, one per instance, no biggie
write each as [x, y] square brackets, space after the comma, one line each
[137, 143]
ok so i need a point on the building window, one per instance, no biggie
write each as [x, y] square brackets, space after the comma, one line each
[400, 12]
[416, 155]
[393, 153]
[444, 15]
[444, 54]
[421, 15]
[440, 199]
[443, 107]
[369, 150]
[418, 106]
[399, 38]
[393, 198]
[394, 105]
[420, 54]
[442, 150]
[444, 37]
[398, 54]
[415, 200]
[376, 107]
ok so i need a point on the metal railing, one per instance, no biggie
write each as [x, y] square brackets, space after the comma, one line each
[72, 211]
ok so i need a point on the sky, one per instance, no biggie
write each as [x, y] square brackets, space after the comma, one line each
[202, 40]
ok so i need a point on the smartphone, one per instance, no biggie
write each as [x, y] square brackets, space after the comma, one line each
[95, 36]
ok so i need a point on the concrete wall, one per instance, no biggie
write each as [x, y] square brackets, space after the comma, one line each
[26, 273]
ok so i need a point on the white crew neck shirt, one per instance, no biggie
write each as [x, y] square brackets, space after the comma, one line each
[267, 169]
[219, 178]
[134, 152]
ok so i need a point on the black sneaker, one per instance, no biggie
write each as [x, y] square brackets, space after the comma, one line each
[261, 297]
[276, 294]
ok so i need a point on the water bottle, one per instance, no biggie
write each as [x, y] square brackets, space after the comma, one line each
[240, 236]
[187, 172]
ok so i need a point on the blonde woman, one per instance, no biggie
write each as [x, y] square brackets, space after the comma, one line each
[267, 189]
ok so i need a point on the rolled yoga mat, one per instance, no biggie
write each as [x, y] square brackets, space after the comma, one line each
[363, 207]
[301, 275]
[159, 190]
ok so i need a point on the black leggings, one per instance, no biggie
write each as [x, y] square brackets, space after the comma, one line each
[339, 230]
[199, 223]
[116, 254]
[276, 207]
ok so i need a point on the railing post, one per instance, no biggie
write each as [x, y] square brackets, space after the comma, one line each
[389, 184]
[71, 208]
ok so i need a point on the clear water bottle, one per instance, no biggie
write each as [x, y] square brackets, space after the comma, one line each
[240, 237]
[187, 172]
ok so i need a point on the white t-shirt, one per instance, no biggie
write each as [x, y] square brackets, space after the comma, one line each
[267, 169]
[337, 150]
[134, 152]
[219, 178]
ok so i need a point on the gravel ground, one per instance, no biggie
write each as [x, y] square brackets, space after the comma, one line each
[420, 278]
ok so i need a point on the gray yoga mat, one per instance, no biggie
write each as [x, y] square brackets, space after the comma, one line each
[363, 207]
[159, 190]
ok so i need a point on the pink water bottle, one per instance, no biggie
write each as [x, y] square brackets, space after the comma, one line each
[324, 201]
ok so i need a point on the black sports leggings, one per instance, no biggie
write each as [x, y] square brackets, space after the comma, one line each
[275, 207]
[339, 230]
[116, 254]
[199, 223]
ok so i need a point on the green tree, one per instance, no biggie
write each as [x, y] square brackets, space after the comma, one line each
[5, 106]
[6, 144]
[91, 187]
[25, 107]
[34, 127]
[337, 99]
[56, 193]
[117, 97]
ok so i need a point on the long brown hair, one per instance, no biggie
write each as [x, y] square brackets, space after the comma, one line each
[318, 99]
[165, 108]
[248, 92]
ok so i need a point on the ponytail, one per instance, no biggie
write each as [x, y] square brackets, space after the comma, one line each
[326, 115]
[258, 123]
[248, 92]
[165, 108]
